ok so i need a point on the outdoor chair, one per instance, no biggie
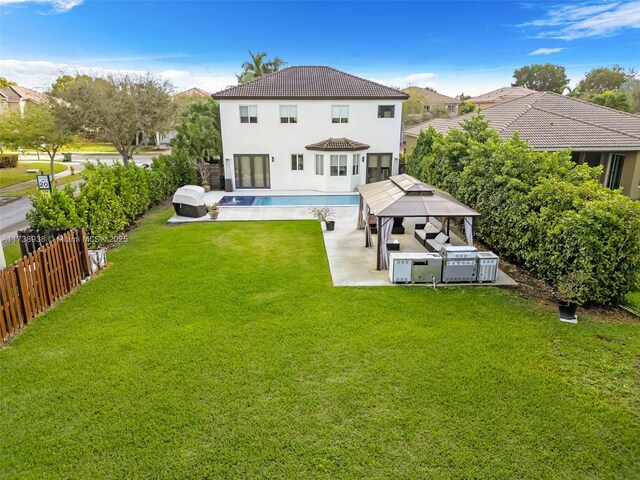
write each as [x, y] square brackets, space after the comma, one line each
[429, 232]
[435, 244]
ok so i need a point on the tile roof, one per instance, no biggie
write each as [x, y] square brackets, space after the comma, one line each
[341, 144]
[501, 95]
[553, 122]
[15, 93]
[431, 96]
[313, 82]
[193, 92]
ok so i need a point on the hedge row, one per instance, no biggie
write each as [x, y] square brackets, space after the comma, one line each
[539, 209]
[8, 160]
[110, 198]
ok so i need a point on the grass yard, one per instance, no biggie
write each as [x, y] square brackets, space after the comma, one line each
[223, 351]
[11, 252]
[13, 176]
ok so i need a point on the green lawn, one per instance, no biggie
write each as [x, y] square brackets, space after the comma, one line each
[223, 351]
[12, 176]
[633, 299]
[12, 252]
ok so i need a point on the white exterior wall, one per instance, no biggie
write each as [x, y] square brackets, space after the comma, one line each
[281, 140]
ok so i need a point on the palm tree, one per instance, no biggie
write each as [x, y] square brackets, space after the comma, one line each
[615, 100]
[258, 66]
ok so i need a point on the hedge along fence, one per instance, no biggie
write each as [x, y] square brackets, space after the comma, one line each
[539, 209]
[110, 198]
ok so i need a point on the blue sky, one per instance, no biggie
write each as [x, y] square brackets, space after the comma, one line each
[454, 46]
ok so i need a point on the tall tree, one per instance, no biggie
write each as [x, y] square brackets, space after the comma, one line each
[117, 109]
[6, 83]
[615, 100]
[258, 66]
[599, 80]
[543, 78]
[199, 131]
[37, 128]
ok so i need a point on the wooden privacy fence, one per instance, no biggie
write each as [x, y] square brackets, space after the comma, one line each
[34, 283]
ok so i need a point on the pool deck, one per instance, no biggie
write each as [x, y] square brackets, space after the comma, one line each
[351, 264]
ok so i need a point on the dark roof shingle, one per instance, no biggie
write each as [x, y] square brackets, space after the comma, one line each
[313, 82]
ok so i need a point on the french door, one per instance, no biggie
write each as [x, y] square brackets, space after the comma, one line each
[252, 171]
[378, 166]
[614, 171]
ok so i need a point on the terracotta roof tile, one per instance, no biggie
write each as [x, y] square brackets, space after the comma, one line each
[554, 122]
[341, 144]
[313, 82]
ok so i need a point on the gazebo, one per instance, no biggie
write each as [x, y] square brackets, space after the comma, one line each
[406, 196]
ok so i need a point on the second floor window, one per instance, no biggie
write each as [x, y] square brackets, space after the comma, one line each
[386, 111]
[297, 162]
[288, 114]
[338, 166]
[339, 113]
[249, 114]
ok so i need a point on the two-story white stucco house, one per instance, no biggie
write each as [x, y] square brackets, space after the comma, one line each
[310, 128]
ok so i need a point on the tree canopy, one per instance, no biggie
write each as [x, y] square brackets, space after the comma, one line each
[543, 78]
[5, 83]
[37, 128]
[116, 109]
[199, 131]
[615, 100]
[258, 66]
[600, 80]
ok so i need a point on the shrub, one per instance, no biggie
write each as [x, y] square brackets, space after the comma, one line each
[540, 209]
[8, 160]
[110, 198]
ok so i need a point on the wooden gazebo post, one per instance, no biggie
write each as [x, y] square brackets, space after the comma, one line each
[379, 245]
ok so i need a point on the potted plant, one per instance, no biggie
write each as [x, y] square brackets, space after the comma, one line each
[214, 210]
[568, 294]
[324, 214]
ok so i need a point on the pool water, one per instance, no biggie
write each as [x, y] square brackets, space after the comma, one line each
[288, 200]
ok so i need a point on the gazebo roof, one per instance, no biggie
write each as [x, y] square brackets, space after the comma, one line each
[405, 196]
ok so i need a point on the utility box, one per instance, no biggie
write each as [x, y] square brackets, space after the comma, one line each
[415, 267]
[487, 266]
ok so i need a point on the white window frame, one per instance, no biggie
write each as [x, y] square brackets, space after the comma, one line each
[249, 109]
[288, 114]
[393, 110]
[319, 164]
[339, 113]
[355, 166]
[339, 162]
[297, 162]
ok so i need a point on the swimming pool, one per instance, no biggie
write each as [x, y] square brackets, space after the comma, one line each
[288, 200]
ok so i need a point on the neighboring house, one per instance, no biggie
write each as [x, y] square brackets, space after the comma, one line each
[548, 121]
[433, 100]
[310, 128]
[15, 97]
[191, 94]
[499, 96]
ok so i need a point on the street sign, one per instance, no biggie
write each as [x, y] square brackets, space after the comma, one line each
[44, 182]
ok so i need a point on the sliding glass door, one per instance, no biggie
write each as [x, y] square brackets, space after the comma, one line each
[378, 166]
[252, 171]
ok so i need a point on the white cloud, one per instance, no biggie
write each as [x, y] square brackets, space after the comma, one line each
[590, 20]
[39, 74]
[58, 6]
[546, 51]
